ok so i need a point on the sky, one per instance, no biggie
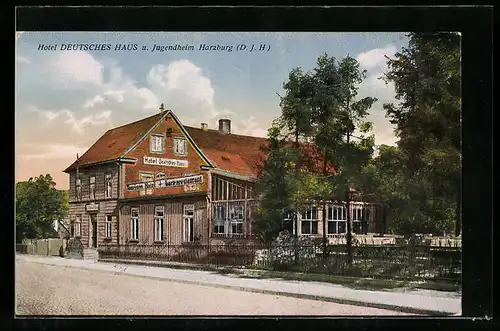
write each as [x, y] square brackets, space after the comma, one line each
[71, 87]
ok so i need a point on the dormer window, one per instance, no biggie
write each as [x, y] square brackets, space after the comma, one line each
[180, 146]
[157, 144]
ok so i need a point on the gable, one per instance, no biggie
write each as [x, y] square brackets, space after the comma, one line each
[115, 142]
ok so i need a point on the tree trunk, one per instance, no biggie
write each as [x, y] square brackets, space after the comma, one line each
[296, 253]
[349, 229]
[348, 214]
[324, 210]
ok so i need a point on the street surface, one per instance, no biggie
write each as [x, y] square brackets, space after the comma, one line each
[60, 290]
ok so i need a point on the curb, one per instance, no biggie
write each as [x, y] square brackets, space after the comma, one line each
[404, 309]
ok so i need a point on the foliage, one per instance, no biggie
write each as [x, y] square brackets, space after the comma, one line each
[38, 205]
[273, 188]
[319, 109]
[420, 179]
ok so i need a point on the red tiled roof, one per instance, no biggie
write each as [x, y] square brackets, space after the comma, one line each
[230, 152]
[229, 162]
[115, 142]
[248, 148]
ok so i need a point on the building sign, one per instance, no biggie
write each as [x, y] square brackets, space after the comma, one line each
[165, 162]
[92, 207]
[181, 181]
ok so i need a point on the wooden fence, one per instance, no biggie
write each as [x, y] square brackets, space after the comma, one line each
[46, 247]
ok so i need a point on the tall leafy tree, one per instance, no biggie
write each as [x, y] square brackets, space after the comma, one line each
[321, 107]
[426, 77]
[38, 206]
[274, 187]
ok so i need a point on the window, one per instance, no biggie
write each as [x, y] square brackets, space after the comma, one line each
[134, 226]
[310, 221]
[109, 222]
[148, 179]
[78, 186]
[236, 217]
[72, 229]
[180, 147]
[357, 219]
[336, 216]
[78, 225]
[108, 185]
[288, 223]
[219, 218]
[92, 187]
[157, 144]
[188, 223]
[160, 180]
[158, 226]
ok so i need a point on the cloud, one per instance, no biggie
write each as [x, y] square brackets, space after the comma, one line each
[22, 59]
[376, 64]
[92, 102]
[77, 66]
[376, 57]
[53, 151]
[117, 95]
[249, 126]
[78, 125]
[183, 81]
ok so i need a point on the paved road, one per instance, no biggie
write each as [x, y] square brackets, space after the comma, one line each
[58, 290]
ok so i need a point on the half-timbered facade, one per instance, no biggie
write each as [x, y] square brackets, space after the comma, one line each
[156, 182]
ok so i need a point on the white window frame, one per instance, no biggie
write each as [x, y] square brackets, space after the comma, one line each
[288, 217]
[78, 188]
[109, 226]
[308, 216]
[92, 187]
[188, 223]
[134, 224]
[146, 177]
[235, 221]
[336, 214]
[78, 226]
[108, 185]
[219, 218]
[357, 213]
[175, 144]
[152, 146]
[160, 179]
[159, 220]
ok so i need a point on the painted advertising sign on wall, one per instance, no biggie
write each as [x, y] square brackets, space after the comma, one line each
[165, 162]
[181, 181]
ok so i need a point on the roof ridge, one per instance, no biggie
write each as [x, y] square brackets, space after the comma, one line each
[225, 134]
[135, 122]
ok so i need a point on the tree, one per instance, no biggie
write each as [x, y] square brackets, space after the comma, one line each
[274, 187]
[38, 205]
[426, 77]
[321, 108]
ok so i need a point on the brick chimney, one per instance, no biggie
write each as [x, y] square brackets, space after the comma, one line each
[204, 126]
[225, 125]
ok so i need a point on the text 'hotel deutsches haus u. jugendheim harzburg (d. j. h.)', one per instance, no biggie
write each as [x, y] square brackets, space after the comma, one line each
[259, 47]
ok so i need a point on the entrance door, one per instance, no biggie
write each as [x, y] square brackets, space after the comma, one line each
[93, 223]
